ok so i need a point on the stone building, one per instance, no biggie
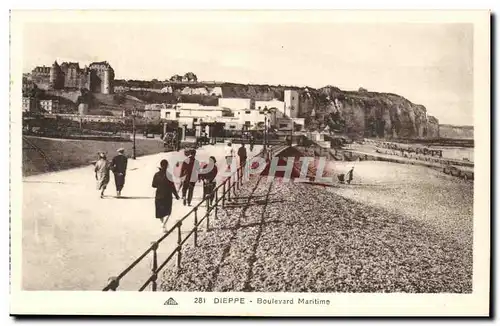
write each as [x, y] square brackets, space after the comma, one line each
[49, 106]
[29, 104]
[101, 78]
[98, 77]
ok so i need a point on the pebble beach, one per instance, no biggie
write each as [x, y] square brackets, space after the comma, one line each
[396, 228]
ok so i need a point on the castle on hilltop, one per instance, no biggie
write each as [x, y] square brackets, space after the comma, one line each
[97, 78]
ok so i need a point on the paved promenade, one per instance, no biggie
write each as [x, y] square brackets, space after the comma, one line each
[73, 240]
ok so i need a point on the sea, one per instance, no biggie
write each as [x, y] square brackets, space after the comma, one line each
[457, 153]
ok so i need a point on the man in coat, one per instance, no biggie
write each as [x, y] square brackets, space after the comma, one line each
[242, 154]
[119, 168]
[189, 166]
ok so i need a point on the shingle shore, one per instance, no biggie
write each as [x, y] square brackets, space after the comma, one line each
[299, 238]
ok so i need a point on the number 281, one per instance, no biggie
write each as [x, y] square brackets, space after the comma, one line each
[199, 300]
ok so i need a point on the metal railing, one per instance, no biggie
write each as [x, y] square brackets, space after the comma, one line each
[228, 186]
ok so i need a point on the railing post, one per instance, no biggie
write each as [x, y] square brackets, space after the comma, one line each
[238, 171]
[208, 213]
[154, 267]
[207, 199]
[229, 189]
[235, 185]
[114, 283]
[179, 249]
[224, 194]
[217, 202]
[196, 226]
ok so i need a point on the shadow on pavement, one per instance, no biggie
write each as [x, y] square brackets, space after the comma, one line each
[132, 197]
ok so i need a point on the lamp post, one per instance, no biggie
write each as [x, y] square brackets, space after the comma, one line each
[264, 134]
[266, 111]
[134, 112]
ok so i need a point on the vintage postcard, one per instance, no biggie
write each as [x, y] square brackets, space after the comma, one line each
[250, 163]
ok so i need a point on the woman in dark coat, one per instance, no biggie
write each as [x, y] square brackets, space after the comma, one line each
[164, 190]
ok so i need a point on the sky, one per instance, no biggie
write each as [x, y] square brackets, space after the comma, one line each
[429, 64]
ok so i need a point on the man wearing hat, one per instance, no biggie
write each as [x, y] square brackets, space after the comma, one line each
[189, 174]
[119, 168]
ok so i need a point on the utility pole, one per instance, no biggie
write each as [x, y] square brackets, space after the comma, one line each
[265, 131]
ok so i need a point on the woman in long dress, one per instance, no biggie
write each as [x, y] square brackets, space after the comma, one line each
[102, 167]
[165, 188]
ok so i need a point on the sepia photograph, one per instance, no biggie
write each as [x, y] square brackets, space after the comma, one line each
[250, 162]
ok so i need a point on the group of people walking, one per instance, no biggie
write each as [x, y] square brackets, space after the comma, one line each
[103, 167]
[190, 172]
[189, 175]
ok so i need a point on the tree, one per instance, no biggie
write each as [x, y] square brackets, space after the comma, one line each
[176, 78]
[191, 77]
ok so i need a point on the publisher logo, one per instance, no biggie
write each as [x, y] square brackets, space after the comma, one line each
[171, 302]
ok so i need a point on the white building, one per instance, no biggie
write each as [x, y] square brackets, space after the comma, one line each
[29, 104]
[286, 123]
[216, 91]
[194, 91]
[250, 118]
[237, 103]
[277, 106]
[167, 89]
[199, 111]
[190, 113]
[153, 111]
[49, 106]
[169, 112]
[292, 104]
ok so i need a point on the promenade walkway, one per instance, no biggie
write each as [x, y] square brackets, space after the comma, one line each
[73, 240]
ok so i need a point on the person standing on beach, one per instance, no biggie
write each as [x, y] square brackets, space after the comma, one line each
[119, 168]
[165, 188]
[102, 167]
[350, 175]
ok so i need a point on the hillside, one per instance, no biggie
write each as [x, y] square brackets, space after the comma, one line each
[356, 113]
[114, 103]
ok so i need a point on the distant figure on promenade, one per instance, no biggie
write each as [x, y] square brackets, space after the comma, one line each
[164, 190]
[252, 143]
[119, 168]
[209, 182]
[102, 167]
[188, 167]
[229, 153]
[349, 175]
[242, 154]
